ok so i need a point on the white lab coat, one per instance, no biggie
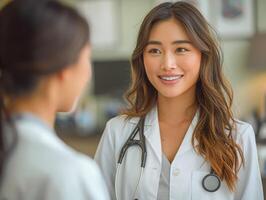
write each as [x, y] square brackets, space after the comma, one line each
[187, 169]
[42, 167]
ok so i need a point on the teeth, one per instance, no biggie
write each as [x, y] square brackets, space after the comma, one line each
[170, 78]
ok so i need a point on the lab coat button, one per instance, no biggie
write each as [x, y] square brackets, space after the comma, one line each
[176, 172]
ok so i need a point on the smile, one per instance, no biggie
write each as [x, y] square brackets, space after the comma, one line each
[170, 78]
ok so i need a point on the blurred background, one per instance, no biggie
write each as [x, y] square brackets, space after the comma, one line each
[241, 27]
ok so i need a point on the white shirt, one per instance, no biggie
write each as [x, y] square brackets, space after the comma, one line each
[187, 169]
[164, 184]
[42, 167]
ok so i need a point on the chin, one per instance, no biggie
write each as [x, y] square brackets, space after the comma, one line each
[170, 94]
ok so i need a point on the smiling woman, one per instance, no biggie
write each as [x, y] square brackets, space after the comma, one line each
[179, 114]
[171, 61]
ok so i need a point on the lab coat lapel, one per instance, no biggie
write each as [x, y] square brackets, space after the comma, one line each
[152, 132]
[187, 141]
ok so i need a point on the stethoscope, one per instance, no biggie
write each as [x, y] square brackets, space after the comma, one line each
[211, 182]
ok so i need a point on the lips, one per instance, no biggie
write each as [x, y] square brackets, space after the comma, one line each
[170, 80]
[171, 77]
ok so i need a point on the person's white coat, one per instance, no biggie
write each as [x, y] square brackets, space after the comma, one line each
[42, 167]
[187, 169]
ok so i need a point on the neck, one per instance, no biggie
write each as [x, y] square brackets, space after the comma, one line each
[36, 106]
[177, 110]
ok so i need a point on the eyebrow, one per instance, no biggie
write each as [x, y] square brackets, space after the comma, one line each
[174, 42]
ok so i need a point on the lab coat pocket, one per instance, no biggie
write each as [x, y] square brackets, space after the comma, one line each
[199, 193]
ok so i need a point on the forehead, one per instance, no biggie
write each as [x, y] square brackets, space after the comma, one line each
[169, 29]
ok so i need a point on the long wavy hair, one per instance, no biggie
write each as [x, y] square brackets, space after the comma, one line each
[214, 130]
[37, 38]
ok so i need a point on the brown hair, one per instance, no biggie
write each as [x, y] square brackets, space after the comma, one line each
[37, 38]
[213, 93]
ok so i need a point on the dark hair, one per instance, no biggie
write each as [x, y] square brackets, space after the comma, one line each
[213, 92]
[38, 38]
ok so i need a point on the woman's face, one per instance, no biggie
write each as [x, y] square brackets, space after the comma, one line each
[171, 61]
[78, 77]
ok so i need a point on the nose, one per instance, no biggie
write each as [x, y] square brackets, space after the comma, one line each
[169, 61]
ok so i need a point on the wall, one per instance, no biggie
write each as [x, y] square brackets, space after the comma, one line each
[248, 84]
[131, 15]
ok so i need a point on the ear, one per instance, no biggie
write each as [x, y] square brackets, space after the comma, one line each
[64, 73]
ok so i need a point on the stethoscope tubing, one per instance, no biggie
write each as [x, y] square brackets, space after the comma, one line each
[137, 185]
[142, 145]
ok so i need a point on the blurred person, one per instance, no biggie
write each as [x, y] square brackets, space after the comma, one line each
[178, 139]
[44, 67]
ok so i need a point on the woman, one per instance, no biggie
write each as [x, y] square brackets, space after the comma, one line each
[194, 147]
[44, 65]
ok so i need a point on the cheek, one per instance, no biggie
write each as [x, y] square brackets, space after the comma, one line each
[193, 64]
[151, 65]
[86, 72]
[147, 70]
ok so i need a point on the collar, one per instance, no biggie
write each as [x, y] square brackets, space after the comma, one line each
[32, 120]
[150, 119]
[152, 132]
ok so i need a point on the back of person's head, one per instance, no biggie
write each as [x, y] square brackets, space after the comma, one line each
[38, 38]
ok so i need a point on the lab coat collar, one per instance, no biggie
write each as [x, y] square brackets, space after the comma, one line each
[152, 132]
[150, 119]
[31, 119]
[30, 124]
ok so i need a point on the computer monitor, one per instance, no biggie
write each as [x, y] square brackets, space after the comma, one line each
[111, 77]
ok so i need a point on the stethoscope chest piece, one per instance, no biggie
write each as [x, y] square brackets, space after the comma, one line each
[211, 182]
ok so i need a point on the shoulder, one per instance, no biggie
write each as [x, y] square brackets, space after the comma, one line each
[68, 161]
[116, 131]
[249, 178]
[243, 129]
[58, 169]
[46, 154]
[78, 167]
[76, 171]
[52, 157]
[244, 135]
[121, 123]
[78, 178]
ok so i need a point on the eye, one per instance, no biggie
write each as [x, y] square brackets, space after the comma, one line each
[154, 51]
[181, 50]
